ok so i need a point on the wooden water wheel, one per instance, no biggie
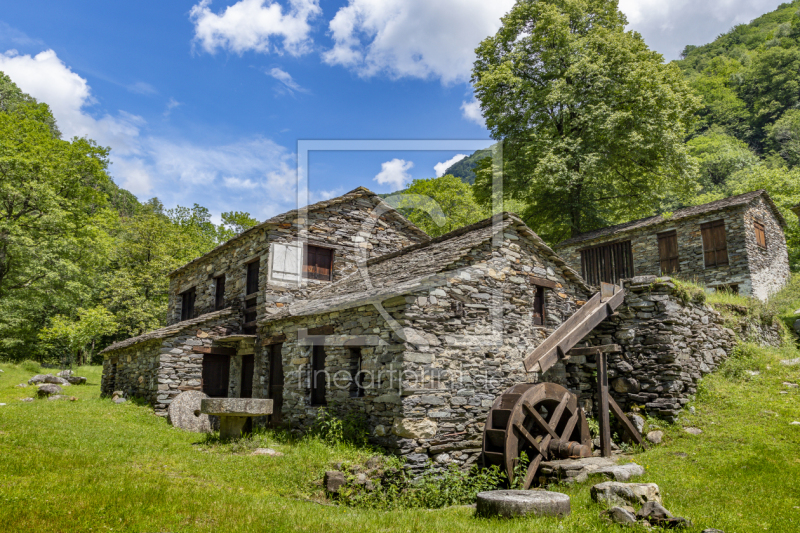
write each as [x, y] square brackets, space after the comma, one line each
[541, 419]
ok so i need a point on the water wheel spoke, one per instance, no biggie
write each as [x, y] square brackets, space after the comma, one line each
[571, 423]
[531, 439]
[556, 418]
[541, 422]
[533, 467]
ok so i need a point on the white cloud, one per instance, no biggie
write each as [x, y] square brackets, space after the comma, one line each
[288, 84]
[669, 26]
[171, 104]
[413, 38]
[255, 25]
[46, 78]
[395, 173]
[472, 112]
[442, 167]
[134, 175]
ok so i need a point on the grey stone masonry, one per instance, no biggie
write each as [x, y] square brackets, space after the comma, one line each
[668, 346]
[755, 270]
[356, 226]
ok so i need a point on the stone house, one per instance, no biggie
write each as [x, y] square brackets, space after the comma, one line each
[735, 243]
[416, 336]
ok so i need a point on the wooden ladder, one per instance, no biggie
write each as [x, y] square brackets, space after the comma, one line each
[575, 328]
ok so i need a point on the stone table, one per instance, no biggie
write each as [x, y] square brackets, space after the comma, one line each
[234, 412]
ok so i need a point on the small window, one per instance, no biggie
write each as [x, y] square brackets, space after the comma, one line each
[356, 374]
[187, 304]
[538, 306]
[668, 252]
[318, 376]
[219, 293]
[318, 263]
[252, 277]
[715, 245]
[761, 235]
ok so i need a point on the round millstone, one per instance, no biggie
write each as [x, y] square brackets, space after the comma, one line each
[182, 412]
[513, 503]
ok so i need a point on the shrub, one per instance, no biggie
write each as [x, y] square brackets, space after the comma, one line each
[335, 430]
[31, 366]
[745, 356]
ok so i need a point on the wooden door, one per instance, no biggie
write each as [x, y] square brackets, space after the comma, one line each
[318, 377]
[668, 252]
[216, 369]
[248, 366]
[275, 381]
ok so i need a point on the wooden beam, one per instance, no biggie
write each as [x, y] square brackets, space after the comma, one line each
[542, 282]
[531, 440]
[594, 350]
[322, 330]
[602, 407]
[215, 350]
[626, 423]
[539, 420]
[275, 339]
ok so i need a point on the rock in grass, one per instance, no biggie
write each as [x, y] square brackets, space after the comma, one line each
[616, 493]
[48, 389]
[712, 530]
[266, 451]
[38, 378]
[637, 421]
[790, 385]
[795, 423]
[791, 362]
[693, 431]
[63, 397]
[655, 437]
[333, 481]
[49, 378]
[120, 400]
[26, 399]
[2, 404]
[184, 412]
[516, 503]
[22, 385]
[620, 472]
[653, 510]
[619, 515]
[76, 380]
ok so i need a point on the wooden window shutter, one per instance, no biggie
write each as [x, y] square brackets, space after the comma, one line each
[538, 306]
[219, 292]
[187, 304]
[318, 263]
[715, 245]
[668, 252]
[285, 262]
[761, 235]
[607, 263]
[252, 277]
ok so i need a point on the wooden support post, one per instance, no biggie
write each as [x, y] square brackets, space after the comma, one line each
[604, 419]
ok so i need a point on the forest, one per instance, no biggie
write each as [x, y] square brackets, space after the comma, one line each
[597, 129]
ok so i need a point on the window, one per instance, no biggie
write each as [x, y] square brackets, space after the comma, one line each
[219, 293]
[538, 306]
[607, 263]
[216, 370]
[318, 377]
[356, 374]
[668, 252]
[252, 277]
[715, 246]
[285, 264]
[761, 235]
[187, 304]
[318, 262]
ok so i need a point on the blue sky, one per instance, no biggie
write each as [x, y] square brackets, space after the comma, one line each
[204, 102]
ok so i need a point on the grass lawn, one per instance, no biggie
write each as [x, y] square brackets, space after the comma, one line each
[92, 465]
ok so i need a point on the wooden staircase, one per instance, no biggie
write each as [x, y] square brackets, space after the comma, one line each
[600, 307]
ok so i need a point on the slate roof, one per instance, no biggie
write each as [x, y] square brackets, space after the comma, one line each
[358, 192]
[686, 212]
[169, 331]
[415, 267]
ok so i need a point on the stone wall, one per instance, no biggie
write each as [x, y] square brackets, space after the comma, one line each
[160, 368]
[769, 268]
[432, 391]
[668, 345]
[349, 227]
[756, 272]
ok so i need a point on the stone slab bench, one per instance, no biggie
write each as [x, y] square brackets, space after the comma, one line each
[234, 412]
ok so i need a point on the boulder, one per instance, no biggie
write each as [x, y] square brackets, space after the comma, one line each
[63, 397]
[619, 515]
[514, 503]
[712, 530]
[620, 472]
[120, 400]
[64, 374]
[655, 437]
[693, 431]
[616, 493]
[334, 480]
[76, 380]
[49, 378]
[38, 378]
[626, 385]
[637, 421]
[184, 412]
[48, 389]
[652, 511]
[415, 428]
